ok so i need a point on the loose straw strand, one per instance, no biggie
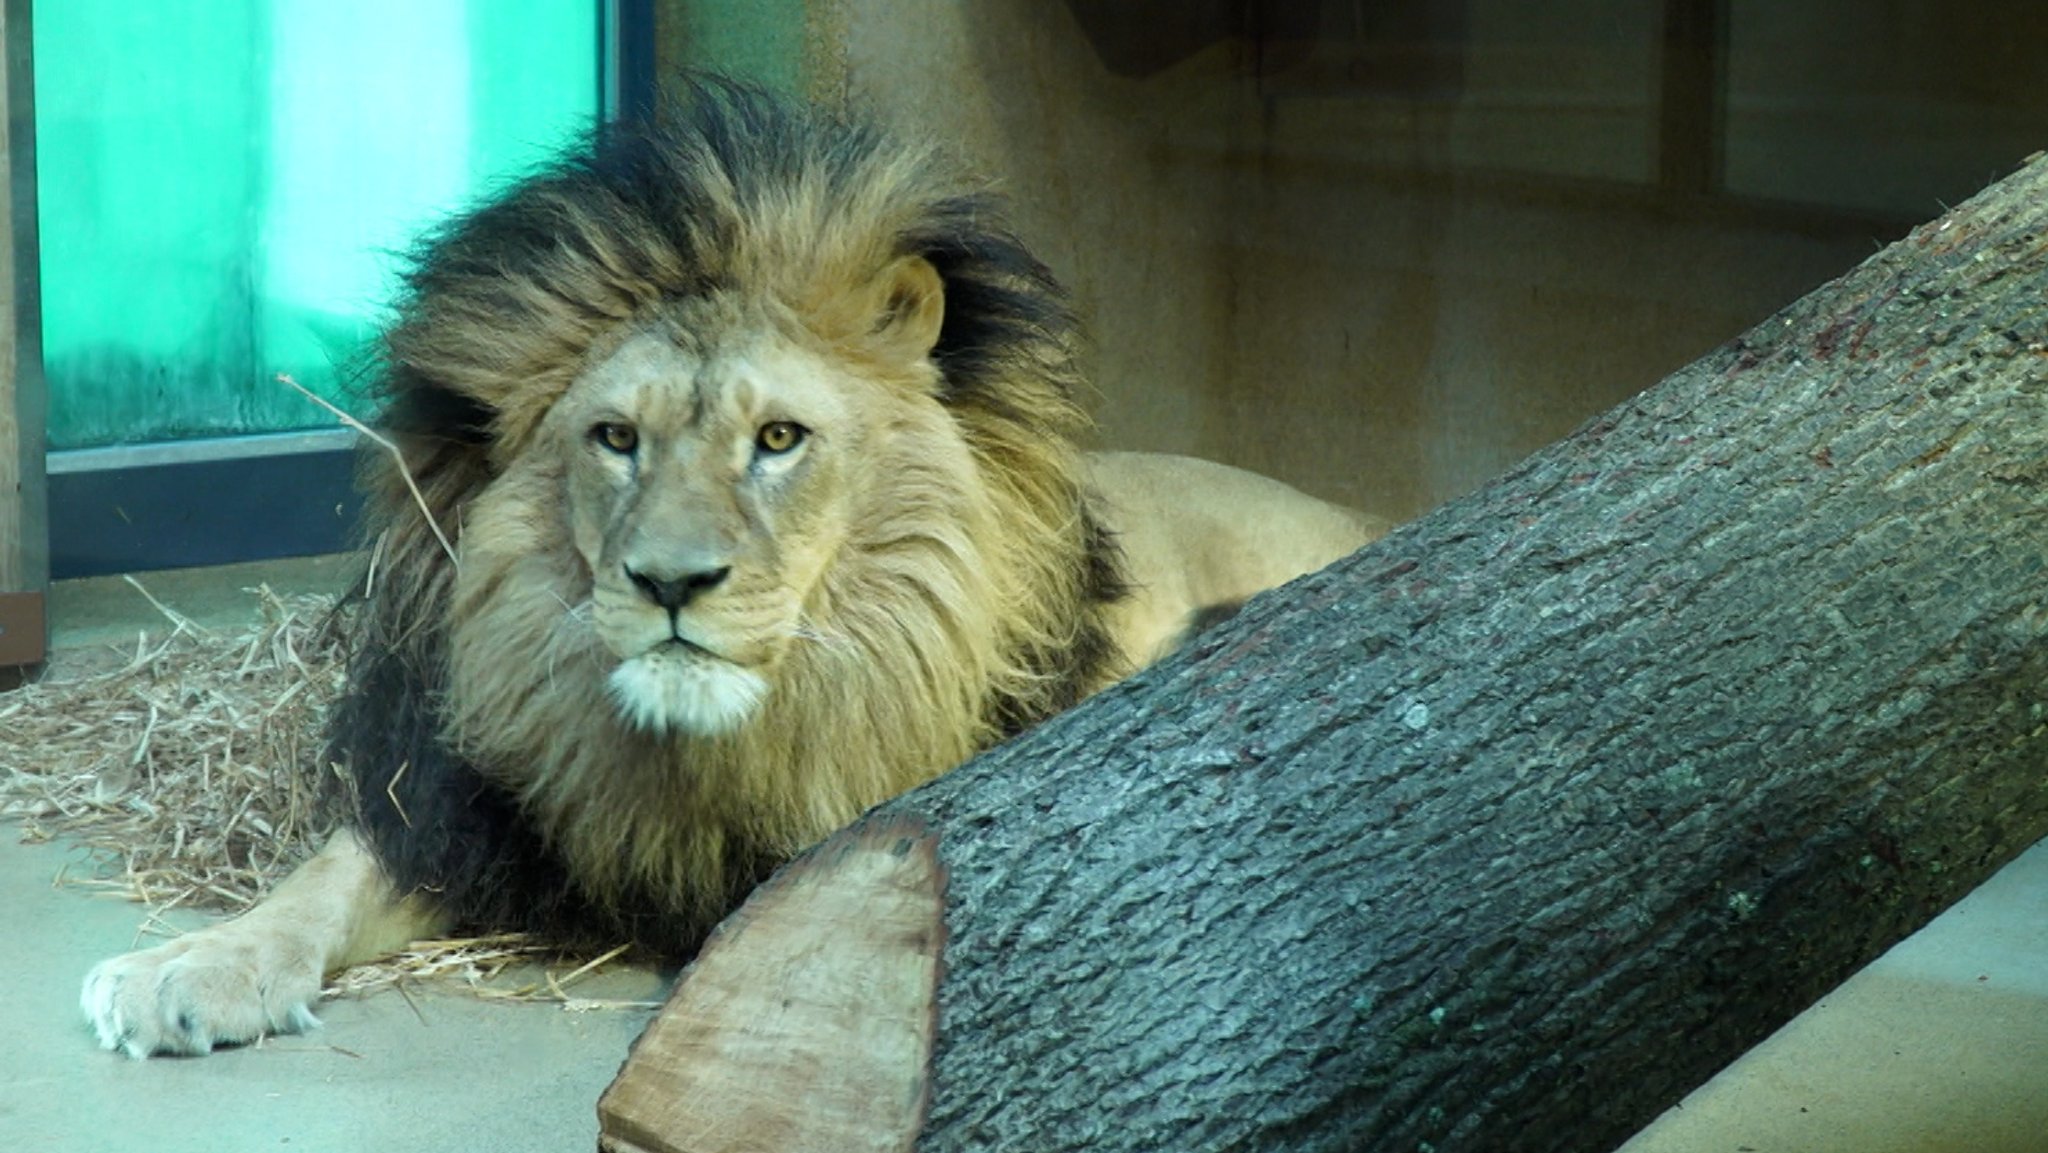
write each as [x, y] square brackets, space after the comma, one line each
[388, 446]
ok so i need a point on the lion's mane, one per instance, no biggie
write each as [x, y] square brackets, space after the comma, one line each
[562, 819]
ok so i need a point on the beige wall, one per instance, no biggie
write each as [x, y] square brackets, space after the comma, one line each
[1118, 184]
[1384, 300]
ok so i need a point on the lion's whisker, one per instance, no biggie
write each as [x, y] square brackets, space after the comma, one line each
[804, 631]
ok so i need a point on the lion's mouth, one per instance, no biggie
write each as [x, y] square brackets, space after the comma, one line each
[679, 647]
[679, 686]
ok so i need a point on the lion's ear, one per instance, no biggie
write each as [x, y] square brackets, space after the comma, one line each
[910, 305]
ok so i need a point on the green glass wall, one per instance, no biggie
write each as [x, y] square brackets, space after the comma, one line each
[224, 185]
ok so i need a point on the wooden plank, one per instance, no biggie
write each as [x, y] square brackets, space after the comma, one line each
[22, 629]
[24, 537]
[1690, 123]
[13, 514]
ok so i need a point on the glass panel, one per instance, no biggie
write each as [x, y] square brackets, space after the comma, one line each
[224, 186]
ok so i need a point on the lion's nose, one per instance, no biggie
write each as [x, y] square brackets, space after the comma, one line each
[672, 592]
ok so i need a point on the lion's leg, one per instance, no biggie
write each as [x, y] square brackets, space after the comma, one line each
[260, 972]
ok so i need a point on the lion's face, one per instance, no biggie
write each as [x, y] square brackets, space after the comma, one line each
[706, 495]
[712, 472]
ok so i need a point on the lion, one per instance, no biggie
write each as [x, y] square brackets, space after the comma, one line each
[749, 495]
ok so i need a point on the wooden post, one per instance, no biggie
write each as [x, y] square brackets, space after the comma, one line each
[1511, 829]
[24, 537]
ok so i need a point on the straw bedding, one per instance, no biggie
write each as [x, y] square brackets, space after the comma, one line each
[187, 773]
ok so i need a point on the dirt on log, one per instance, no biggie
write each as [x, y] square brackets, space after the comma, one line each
[1508, 831]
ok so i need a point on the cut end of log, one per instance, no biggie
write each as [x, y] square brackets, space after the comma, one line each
[806, 1022]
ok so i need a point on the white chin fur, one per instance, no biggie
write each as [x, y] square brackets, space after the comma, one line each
[667, 692]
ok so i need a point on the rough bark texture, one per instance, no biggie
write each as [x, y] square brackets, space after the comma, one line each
[1506, 832]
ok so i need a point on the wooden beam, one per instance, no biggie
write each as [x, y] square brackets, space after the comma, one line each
[24, 536]
[1690, 121]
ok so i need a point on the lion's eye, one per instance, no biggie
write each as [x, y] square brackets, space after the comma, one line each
[779, 436]
[619, 438]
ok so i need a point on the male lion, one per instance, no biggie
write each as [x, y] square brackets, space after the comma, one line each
[754, 431]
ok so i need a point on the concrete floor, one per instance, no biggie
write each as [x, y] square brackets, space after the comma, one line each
[461, 1074]
[1941, 1046]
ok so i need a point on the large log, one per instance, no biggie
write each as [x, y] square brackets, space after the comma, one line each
[1500, 835]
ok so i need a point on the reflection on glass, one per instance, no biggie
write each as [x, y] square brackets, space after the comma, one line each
[224, 187]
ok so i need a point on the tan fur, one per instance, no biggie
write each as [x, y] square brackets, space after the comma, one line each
[1197, 534]
[866, 610]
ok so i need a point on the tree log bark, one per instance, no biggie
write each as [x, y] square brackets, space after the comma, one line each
[1508, 831]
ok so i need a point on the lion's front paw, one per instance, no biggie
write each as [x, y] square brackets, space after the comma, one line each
[214, 987]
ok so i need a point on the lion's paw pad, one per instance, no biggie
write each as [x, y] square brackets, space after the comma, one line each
[197, 993]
